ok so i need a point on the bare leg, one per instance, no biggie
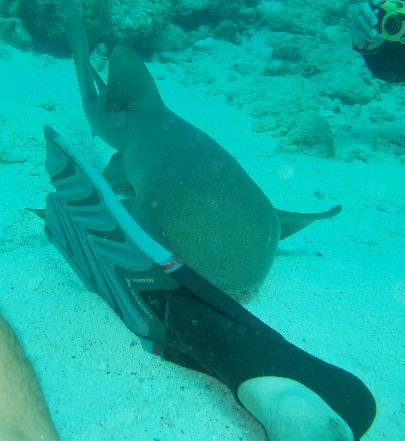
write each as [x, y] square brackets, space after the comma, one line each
[289, 411]
[23, 412]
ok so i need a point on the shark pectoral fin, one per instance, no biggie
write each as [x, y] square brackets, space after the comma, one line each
[101, 85]
[291, 222]
[115, 175]
[129, 83]
[40, 212]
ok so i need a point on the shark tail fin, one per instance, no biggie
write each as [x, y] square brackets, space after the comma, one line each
[292, 222]
[79, 46]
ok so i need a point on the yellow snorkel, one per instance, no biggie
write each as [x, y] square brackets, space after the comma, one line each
[391, 20]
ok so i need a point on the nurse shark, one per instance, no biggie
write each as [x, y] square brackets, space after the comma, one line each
[179, 184]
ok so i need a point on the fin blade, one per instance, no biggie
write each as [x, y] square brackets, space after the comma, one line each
[99, 239]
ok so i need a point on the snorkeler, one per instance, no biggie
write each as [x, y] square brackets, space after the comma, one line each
[378, 33]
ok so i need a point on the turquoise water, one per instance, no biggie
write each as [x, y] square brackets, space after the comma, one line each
[286, 95]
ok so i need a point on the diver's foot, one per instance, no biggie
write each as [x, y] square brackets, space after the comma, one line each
[289, 411]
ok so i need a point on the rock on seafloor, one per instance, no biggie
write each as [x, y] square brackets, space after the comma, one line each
[288, 63]
[144, 23]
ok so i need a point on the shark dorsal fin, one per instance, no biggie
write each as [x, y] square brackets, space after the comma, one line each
[129, 83]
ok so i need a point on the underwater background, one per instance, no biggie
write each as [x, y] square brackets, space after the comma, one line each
[276, 83]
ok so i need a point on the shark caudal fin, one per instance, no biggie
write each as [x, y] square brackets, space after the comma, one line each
[80, 49]
[291, 222]
[129, 83]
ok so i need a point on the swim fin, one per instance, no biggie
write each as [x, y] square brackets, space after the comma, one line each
[113, 255]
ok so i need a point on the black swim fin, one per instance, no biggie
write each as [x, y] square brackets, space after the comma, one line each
[101, 241]
[113, 255]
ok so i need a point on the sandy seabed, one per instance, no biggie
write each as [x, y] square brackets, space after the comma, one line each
[336, 289]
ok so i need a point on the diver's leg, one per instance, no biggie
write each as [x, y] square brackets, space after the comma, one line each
[23, 412]
[289, 411]
[276, 381]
